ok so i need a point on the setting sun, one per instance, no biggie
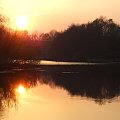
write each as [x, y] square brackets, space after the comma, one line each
[22, 22]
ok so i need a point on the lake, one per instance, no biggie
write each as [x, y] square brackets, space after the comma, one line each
[65, 92]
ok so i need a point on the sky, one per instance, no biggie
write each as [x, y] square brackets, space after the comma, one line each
[47, 15]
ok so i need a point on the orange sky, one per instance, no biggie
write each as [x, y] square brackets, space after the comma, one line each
[45, 15]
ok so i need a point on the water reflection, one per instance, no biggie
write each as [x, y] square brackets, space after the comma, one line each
[21, 89]
[94, 83]
[10, 83]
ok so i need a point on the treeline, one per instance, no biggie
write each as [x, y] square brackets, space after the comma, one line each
[16, 44]
[98, 40]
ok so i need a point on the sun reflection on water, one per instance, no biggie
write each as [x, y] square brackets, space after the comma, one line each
[21, 89]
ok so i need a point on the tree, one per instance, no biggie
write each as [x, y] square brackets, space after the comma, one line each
[99, 39]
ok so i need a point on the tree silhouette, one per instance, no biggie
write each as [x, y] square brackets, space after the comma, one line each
[95, 40]
[98, 40]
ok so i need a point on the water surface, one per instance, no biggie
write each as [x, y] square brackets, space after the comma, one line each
[60, 93]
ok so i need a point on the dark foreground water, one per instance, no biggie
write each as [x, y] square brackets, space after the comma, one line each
[60, 93]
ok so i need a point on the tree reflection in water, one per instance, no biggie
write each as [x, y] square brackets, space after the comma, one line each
[9, 83]
[97, 84]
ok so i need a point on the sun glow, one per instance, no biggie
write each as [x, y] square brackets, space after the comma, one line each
[21, 89]
[22, 22]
